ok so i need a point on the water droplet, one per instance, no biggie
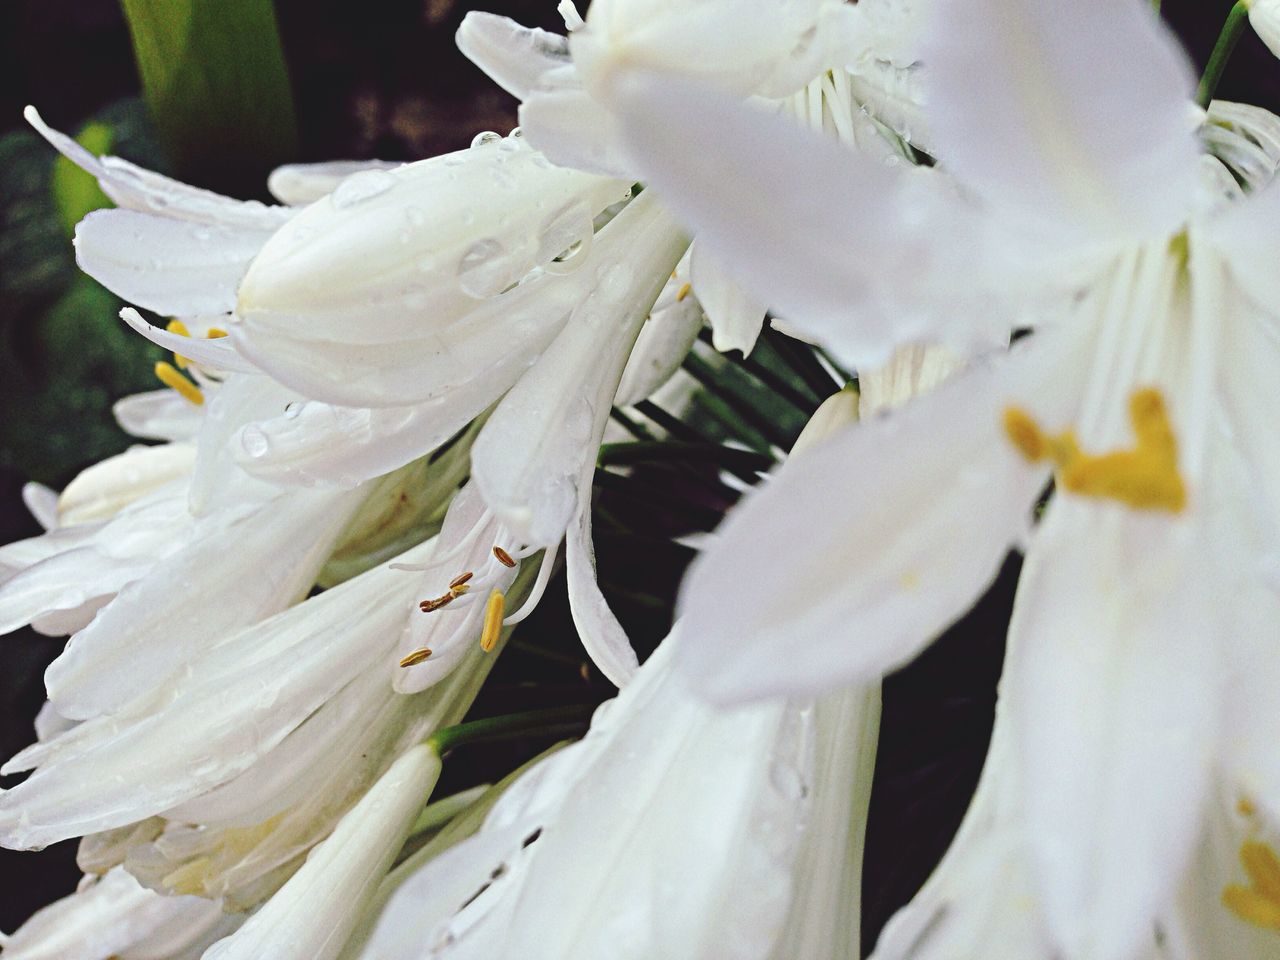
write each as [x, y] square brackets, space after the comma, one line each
[255, 442]
[485, 270]
[360, 187]
[565, 239]
[292, 410]
[486, 138]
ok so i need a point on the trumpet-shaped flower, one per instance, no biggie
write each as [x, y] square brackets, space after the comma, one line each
[1144, 392]
[683, 827]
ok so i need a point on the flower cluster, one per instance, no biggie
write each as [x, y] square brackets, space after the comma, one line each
[1049, 260]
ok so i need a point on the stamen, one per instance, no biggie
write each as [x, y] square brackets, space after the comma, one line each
[416, 657]
[460, 579]
[683, 292]
[492, 621]
[215, 333]
[504, 558]
[427, 606]
[1258, 903]
[170, 377]
[1145, 477]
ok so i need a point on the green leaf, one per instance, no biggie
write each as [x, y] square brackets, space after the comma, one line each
[76, 192]
[214, 76]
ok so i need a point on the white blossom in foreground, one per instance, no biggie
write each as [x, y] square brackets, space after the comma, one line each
[1146, 389]
[674, 830]
[114, 917]
[315, 912]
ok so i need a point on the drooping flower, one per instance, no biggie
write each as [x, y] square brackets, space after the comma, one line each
[1144, 391]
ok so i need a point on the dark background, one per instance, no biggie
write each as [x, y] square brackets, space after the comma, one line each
[382, 78]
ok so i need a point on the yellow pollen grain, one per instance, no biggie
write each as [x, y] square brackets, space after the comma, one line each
[167, 374]
[416, 657]
[1145, 477]
[683, 292]
[177, 326]
[492, 621]
[215, 333]
[1258, 903]
[1245, 807]
[504, 558]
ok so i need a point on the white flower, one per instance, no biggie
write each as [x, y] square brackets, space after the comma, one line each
[1147, 388]
[312, 915]
[1264, 17]
[113, 916]
[673, 830]
[219, 781]
[782, 52]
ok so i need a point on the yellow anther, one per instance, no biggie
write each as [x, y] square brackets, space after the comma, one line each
[683, 292]
[177, 326]
[167, 374]
[215, 333]
[492, 621]
[1145, 477]
[503, 557]
[416, 657]
[1258, 903]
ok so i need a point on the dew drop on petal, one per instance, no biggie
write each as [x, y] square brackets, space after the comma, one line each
[485, 138]
[485, 269]
[255, 442]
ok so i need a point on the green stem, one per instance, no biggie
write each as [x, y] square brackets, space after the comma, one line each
[553, 722]
[1236, 22]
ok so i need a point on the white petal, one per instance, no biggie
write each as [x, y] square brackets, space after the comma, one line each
[217, 353]
[735, 316]
[602, 636]
[311, 917]
[101, 491]
[665, 340]
[114, 916]
[237, 701]
[1246, 233]
[1076, 117]
[573, 130]
[167, 266]
[298, 184]
[1116, 691]
[132, 645]
[42, 503]
[134, 188]
[513, 56]
[835, 241]
[158, 415]
[531, 455]
[860, 552]
[411, 261]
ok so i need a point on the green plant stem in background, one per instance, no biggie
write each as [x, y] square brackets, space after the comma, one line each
[214, 78]
[1235, 25]
[553, 722]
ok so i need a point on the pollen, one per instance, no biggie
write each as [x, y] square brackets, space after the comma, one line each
[167, 374]
[215, 333]
[1145, 477]
[459, 580]
[683, 292]
[416, 657]
[504, 558]
[492, 621]
[1259, 902]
